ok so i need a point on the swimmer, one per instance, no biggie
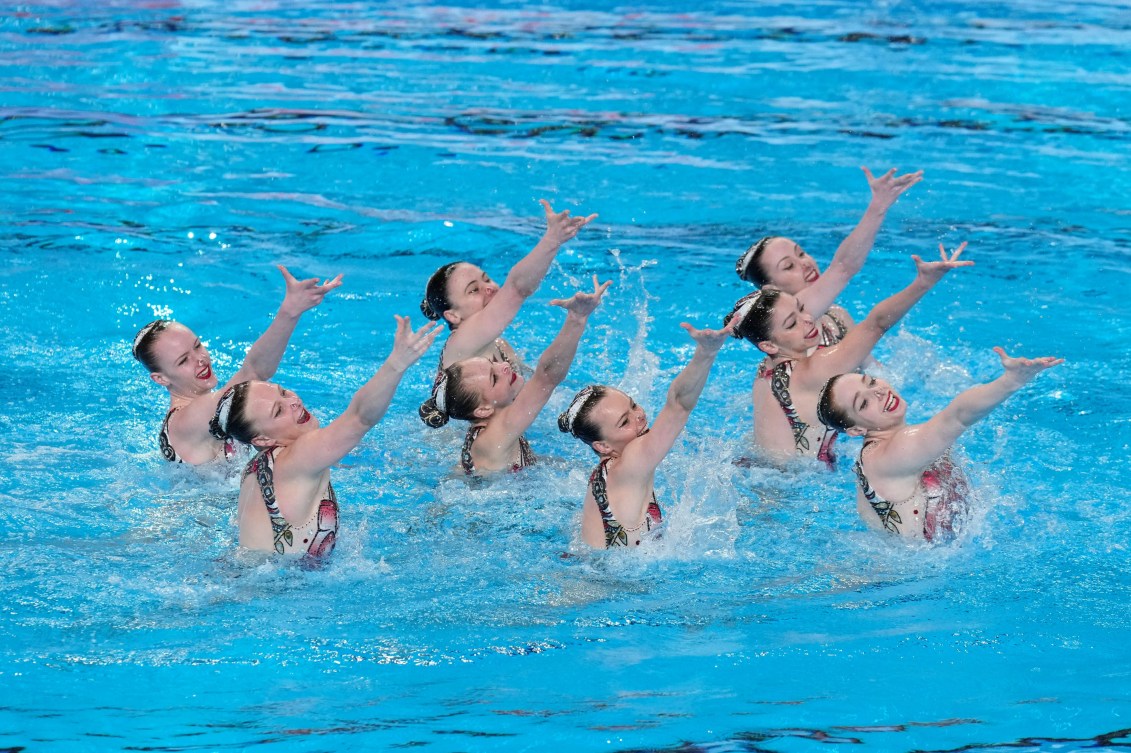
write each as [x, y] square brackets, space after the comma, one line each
[620, 505]
[477, 310]
[782, 263]
[789, 379]
[911, 463]
[500, 404]
[178, 361]
[287, 504]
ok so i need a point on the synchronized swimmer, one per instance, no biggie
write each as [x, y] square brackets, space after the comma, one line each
[807, 390]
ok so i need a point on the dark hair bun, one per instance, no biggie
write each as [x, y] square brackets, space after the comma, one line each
[563, 423]
[428, 311]
[431, 414]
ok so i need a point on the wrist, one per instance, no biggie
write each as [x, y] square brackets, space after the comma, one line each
[396, 365]
[1013, 381]
[289, 311]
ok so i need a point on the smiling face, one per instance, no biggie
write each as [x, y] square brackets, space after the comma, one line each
[868, 403]
[788, 267]
[277, 415]
[619, 420]
[184, 365]
[792, 330]
[495, 382]
[469, 291]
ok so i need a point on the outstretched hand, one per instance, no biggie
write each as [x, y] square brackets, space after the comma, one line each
[933, 271]
[710, 340]
[1025, 369]
[560, 227]
[889, 186]
[583, 304]
[303, 295]
[409, 345]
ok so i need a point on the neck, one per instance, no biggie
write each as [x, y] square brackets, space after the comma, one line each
[182, 397]
[883, 435]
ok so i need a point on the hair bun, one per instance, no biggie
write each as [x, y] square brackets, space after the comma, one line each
[431, 414]
[565, 425]
[428, 311]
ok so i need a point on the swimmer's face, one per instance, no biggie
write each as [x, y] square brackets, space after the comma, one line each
[184, 364]
[619, 419]
[792, 330]
[496, 382]
[788, 267]
[277, 415]
[869, 403]
[469, 292]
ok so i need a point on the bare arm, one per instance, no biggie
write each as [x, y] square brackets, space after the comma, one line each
[853, 250]
[915, 449]
[850, 353]
[263, 357]
[477, 331]
[554, 363]
[314, 452]
[643, 455]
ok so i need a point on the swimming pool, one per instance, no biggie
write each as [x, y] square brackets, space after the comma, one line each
[160, 158]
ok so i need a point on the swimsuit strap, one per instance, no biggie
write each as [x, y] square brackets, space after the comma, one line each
[263, 466]
[887, 514]
[525, 454]
[779, 386]
[615, 533]
[465, 460]
[167, 450]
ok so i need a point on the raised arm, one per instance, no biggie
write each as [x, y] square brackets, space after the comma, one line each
[849, 353]
[853, 250]
[263, 357]
[555, 361]
[916, 448]
[642, 456]
[320, 449]
[477, 331]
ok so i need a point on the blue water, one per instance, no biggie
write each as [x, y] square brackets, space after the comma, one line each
[158, 158]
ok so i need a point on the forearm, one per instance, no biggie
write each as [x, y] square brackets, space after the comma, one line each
[265, 354]
[853, 251]
[371, 402]
[525, 277]
[558, 357]
[976, 403]
[686, 388]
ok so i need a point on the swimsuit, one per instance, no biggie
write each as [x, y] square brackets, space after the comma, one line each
[779, 378]
[315, 537]
[940, 495]
[171, 455]
[832, 330]
[615, 533]
[525, 454]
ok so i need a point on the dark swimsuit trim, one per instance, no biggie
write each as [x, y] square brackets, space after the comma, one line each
[615, 533]
[525, 454]
[779, 386]
[322, 543]
[171, 455]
